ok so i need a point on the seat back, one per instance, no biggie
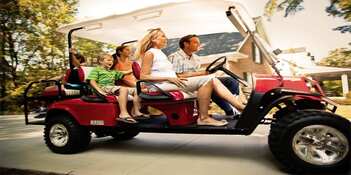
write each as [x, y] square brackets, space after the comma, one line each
[76, 81]
[136, 70]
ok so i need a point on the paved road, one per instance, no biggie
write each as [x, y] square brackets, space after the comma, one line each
[23, 147]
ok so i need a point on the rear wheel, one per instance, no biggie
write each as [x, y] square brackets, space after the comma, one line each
[311, 141]
[63, 135]
[125, 135]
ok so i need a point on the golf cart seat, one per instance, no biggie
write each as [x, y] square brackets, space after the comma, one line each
[75, 84]
[178, 108]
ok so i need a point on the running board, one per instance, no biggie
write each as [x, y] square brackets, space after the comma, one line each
[159, 125]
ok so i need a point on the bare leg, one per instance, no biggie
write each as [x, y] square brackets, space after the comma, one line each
[122, 101]
[224, 93]
[203, 97]
[136, 105]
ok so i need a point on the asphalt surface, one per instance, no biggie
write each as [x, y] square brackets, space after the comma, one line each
[23, 147]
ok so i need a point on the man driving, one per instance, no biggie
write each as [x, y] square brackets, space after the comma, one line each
[187, 64]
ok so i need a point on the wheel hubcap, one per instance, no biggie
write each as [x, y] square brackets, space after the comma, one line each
[58, 135]
[320, 145]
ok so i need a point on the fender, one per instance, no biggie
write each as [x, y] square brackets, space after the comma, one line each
[299, 99]
[87, 113]
[54, 112]
[261, 104]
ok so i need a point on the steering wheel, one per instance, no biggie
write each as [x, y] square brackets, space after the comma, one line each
[216, 64]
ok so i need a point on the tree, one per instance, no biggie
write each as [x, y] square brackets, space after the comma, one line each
[30, 46]
[337, 58]
[338, 8]
[91, 49]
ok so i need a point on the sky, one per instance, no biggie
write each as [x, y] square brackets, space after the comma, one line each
[310, 28]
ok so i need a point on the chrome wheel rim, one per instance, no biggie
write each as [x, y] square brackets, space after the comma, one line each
[320, 145]
[58, 135]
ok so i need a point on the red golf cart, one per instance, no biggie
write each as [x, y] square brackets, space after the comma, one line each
[305, 133]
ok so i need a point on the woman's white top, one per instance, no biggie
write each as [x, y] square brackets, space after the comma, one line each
[161, 66]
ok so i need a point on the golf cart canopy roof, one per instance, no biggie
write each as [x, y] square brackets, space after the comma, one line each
[176, 19]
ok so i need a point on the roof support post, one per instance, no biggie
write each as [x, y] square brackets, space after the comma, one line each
[345, 84]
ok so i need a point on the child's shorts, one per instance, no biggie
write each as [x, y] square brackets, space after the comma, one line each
[112, 90]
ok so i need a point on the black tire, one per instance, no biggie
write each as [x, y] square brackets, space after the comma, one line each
[124, 135]
[78, 137]
[286, 128]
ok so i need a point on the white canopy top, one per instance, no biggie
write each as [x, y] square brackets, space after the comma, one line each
[176, 19]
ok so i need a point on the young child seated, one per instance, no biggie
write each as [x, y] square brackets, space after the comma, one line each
[103, 80]
[75, 75]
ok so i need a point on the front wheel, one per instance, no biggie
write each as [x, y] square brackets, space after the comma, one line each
[311, 141]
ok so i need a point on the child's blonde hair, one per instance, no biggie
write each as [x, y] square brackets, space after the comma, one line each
[102, 57]
[146, 43]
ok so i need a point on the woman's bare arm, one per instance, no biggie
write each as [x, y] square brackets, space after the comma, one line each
[126, 72]
[146, 66]
[145, 73]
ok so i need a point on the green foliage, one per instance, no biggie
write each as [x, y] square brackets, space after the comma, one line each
[337, 58]
[91, 49]
[332, 88]
[338, 8]
[341, 8]
[291, 6]
[30, 47]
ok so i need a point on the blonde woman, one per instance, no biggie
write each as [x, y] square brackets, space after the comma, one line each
[156, 67]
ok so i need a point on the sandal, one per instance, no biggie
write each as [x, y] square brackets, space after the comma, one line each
[213, 122]
[127, 119]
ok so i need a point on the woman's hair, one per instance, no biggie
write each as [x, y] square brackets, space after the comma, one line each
[115, 60]
[80, 57]
[120, 49]
[146, 43]
[102, 56]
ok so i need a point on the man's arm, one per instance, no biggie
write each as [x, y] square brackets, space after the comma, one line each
[178, 64]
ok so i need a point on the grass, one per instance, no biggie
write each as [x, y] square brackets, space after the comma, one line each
[344, 110]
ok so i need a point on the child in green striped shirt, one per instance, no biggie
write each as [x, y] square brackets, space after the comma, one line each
[103, 80]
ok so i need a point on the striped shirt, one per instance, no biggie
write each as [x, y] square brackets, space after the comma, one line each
[183, 62]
